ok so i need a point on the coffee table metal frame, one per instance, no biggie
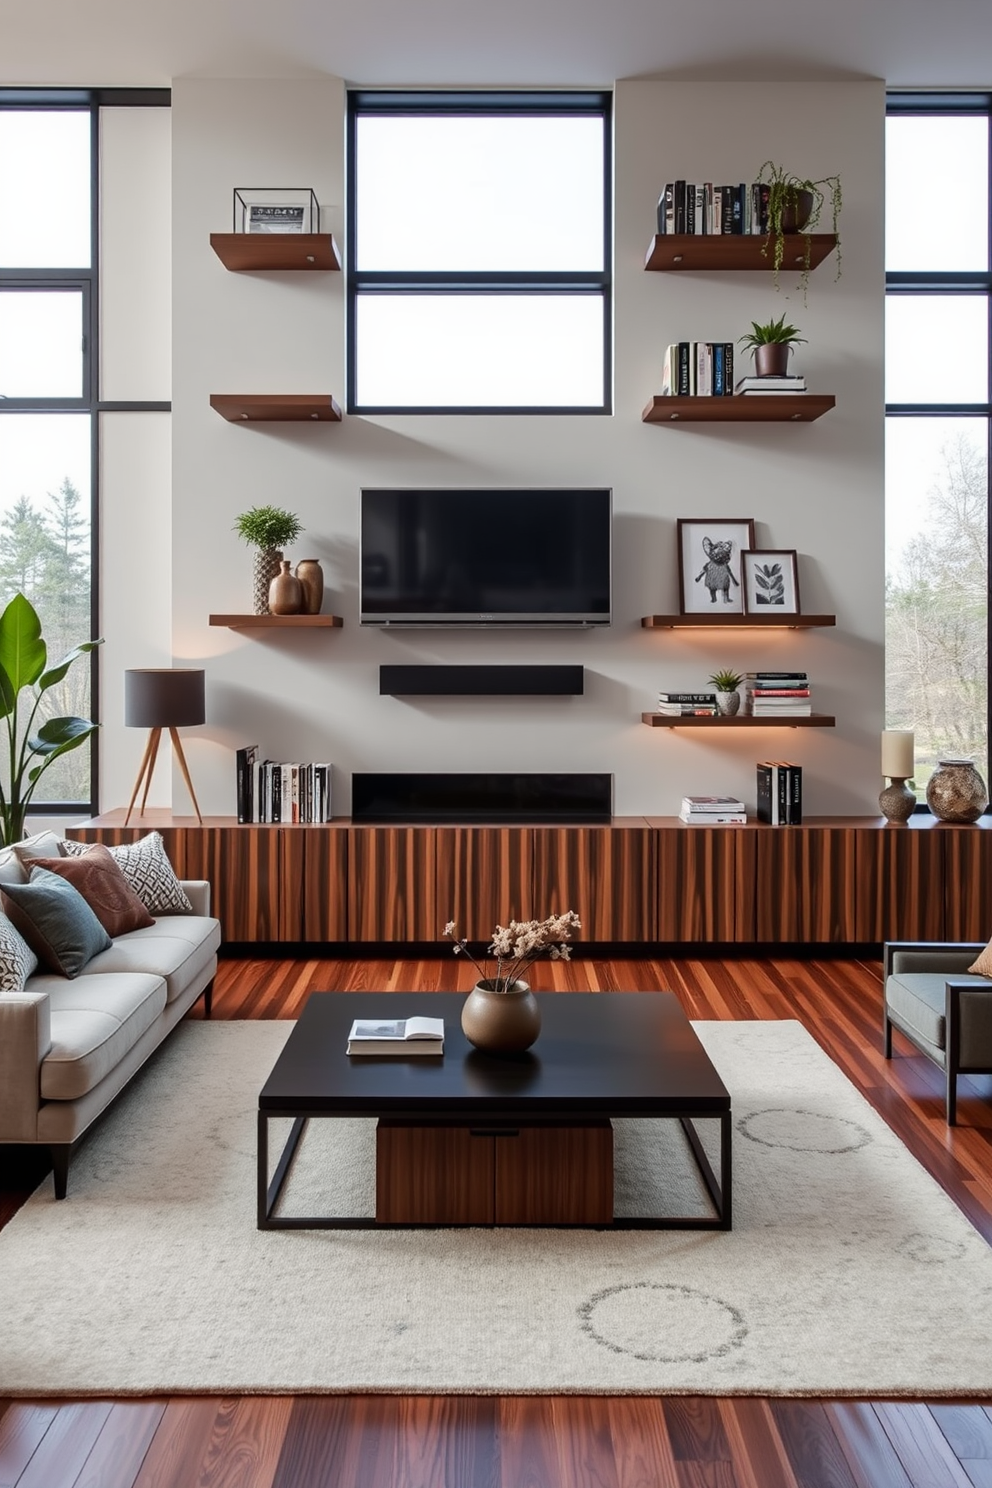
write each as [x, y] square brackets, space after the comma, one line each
[370, 1096]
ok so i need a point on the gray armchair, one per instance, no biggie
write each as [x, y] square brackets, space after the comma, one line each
[944, 1010]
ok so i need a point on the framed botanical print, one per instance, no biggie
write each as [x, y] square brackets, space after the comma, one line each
[771, 581]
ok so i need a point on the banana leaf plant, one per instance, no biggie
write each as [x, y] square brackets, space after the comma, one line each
[24, 667]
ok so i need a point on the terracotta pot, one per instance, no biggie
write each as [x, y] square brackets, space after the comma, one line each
[311, 577]
[956, 792]
[265, 566]
[501, 1022]
[285, 592]
[772, 359]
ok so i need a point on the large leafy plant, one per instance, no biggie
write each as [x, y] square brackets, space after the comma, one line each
[24, 667]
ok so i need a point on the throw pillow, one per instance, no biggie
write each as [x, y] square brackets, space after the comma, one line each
[15, 861]
[104, 887]
[982, 965]
[17, 959]
[56, 922]
[147, 869]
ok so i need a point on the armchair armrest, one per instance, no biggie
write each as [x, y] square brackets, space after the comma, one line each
[928, 955]
[198, 894]
[25, 1039]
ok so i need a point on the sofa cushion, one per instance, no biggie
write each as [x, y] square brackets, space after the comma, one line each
[95, 1021]
[917, 999]
[104, 887]
[13, 859]
[17, 959]
[56, 922]
[145, 865]
[176, 948]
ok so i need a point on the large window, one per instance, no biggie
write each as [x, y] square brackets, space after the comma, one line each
[939, 297]
[479, 252]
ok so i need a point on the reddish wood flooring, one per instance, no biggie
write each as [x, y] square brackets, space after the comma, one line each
[553, 1441]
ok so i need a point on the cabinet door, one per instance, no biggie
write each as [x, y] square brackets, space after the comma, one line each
[391, 892]
[485, 877]
[706, 883]
[900, 876]
[806, 884]
[967, 853]
[324, 910]
[433, 1175]
[555, 1175]
[606, 874]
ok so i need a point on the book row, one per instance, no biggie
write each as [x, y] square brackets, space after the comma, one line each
[276, 791]
[698, 369]
[780, 793]
[684, 207]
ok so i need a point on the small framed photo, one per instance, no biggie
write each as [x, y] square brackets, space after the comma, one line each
[276, 209]
[261, 217]
[771, 581]
[710, 551]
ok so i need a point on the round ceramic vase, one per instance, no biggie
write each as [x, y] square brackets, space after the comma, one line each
[956, 792]
[501, 1022]
[285, 592]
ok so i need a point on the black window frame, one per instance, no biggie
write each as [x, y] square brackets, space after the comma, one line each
[90, 405]
[398, 103]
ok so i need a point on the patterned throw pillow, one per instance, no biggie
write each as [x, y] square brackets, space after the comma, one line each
[56, 922]
[17, 959]
[104, 887]
[147, 869]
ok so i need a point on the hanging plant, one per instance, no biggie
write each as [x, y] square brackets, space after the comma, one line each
[797, 205]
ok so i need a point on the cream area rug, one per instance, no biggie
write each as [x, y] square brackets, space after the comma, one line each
[848, 1270]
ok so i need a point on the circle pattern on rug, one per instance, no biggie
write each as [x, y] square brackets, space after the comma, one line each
[930, 1250]
[662, 1323]
[803, 1131]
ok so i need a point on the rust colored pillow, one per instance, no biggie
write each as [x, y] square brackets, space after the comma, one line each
[101, 883]
[983, 965]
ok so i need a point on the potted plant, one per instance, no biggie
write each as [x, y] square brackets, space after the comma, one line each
[24, 667]
[796, 205]
[771, 344]
[267, 529]
[728, 699]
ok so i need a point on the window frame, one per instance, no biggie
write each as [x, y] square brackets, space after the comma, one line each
[406, 102]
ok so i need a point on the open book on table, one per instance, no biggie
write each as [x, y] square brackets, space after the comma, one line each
[403, 1036]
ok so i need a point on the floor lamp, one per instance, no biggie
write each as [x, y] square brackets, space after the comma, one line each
[158, 699]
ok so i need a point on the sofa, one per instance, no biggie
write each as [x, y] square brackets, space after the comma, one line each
[68, 1046]
[939, 995]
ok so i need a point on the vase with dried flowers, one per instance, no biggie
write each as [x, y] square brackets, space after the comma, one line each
[501, 1015]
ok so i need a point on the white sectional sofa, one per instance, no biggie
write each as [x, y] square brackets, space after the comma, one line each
[67, 1047]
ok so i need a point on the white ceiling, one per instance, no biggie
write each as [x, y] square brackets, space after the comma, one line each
[552, 42]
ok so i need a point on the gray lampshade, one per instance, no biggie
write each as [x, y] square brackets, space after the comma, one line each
[164, 698]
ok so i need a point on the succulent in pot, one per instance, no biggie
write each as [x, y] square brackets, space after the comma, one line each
[728, 699]
[771, 343]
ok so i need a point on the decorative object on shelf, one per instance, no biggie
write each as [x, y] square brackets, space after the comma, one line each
[24, 664]
[311, 577]
[710, 563]
[956, 791]
[276, 209]
[268, 529]
[771, 343]
[771, 581]
[285, 591]
[500, 1015]
[897, 802]
[158, 698]
[796, 204]
[728, 699]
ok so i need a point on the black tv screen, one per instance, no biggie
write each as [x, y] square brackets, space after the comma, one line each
[485, 557]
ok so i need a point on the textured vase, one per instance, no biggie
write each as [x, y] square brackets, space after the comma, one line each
[956, 792]
[311, 577]
[285, 592]
[728, 703]
[897, 802]
[501, 1022]
[265, 566]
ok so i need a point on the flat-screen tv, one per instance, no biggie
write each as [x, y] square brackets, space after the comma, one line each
[534, 557]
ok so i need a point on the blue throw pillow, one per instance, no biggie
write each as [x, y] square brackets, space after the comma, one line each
[56, 922]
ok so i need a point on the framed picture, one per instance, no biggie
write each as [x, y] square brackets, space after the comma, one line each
[710, 551]
[771, 581]
[264, 217]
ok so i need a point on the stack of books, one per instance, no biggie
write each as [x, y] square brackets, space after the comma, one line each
[780, 793]
[698, 369]
[687, 704]
[684, 207]
[272, 791]
[712, 811]
[786, 384]
[777, 694]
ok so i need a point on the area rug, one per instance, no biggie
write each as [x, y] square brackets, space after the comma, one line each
[848, 1270]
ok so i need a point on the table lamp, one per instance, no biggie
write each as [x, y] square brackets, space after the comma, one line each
[157, 699]
[897, 802]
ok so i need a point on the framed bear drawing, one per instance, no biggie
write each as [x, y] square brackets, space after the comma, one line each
[710, 564]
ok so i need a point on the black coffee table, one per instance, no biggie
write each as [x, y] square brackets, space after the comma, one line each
[600, 1055]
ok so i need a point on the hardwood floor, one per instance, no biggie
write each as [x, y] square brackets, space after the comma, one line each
[553, 1441]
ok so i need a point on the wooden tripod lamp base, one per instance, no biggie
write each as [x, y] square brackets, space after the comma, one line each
[156, 700]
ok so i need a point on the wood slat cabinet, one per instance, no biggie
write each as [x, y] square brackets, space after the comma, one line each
[705, 882]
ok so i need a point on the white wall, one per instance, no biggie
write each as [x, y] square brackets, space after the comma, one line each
[816, 488]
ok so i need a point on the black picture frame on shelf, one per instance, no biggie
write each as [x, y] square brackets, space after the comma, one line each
[709, 553]
[771, 581]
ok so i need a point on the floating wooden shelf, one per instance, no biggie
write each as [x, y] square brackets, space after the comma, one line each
[745, 720]
[739, 622]
[278, 622]
[753, 408]
[244, 251]
[669, 252]
[254, 408]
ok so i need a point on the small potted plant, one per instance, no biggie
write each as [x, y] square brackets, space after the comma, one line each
[771, 344]
[267, 529]
[728, 699]
[796, 205]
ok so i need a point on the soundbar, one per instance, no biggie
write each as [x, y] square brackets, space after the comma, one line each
[471, 798]
[481, 681]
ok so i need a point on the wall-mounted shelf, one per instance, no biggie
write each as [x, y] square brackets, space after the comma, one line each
[278, 622]
[240, 252]
[746, 720]
[735, 622]
[747, 408]
[481, 681]
[669, 252]
[254, 408]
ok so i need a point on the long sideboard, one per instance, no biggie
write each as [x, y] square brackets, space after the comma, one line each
[834, 880]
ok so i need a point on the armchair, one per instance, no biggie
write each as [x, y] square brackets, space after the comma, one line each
[943, 1009]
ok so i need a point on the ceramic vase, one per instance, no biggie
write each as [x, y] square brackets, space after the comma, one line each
[956, 792]
[285, 592]
[311, 577]
[501, 1022]
[265, 566]
[728, 703]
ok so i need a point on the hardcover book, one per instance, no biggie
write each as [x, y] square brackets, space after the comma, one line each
[402, 1036]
